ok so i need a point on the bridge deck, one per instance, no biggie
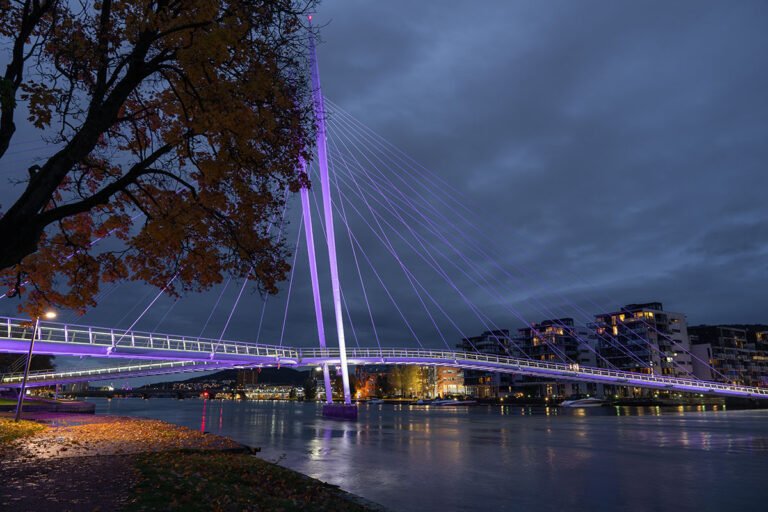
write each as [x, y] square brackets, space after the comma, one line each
[82, 340]
[64, 339]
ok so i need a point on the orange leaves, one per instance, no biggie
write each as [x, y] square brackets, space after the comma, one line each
[219, 83]
[41, 100]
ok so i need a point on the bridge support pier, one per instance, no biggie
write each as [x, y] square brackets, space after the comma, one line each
[340, 411]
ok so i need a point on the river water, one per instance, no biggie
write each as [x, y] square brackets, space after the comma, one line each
[414, 458]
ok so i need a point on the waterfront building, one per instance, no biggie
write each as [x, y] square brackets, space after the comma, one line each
[270, 392]
[756, 334]
[482, 384]
[644, 338]
[450, 381]
[372, 381]
[557, 340]
[729, 354]
[761, 340]
[402, 381]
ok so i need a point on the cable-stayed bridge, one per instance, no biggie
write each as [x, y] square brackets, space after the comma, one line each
[376, 194]
[185, 354]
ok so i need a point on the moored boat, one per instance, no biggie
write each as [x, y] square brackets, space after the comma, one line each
[453, 401]
[590, 401]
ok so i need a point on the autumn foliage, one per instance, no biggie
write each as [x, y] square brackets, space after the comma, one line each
[174, 128]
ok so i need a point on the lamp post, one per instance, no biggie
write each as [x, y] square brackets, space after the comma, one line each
[50, 315]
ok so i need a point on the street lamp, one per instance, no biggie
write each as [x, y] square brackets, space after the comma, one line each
[49, 315]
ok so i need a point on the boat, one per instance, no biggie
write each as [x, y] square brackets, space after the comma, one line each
[375, 401]
[454, 401]
[590, 401]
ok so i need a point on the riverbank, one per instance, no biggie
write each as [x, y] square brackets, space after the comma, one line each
[38, 404]
[86, 462]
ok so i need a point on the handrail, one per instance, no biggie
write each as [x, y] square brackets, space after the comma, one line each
[46, 375]
[113, 339]
[504, 362]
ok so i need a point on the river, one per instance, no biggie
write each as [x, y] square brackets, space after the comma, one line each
[414, 458]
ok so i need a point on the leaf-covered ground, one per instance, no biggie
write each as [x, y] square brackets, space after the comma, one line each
[11, 430]
[87, 462]
[115, 436]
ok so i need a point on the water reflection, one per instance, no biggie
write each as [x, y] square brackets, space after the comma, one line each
[202, 422]
[504, 458]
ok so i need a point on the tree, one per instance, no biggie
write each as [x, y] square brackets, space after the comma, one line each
[383, 385]
[338, 385]
[174, 126]
[310, 389]
[408, 381]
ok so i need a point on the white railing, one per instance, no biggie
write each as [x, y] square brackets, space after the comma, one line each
[392, 355]
[115, 339]
[54, 332]
[47, 375]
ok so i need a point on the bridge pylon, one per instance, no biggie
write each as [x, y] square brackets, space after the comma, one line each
[325, 185]
[308, 235]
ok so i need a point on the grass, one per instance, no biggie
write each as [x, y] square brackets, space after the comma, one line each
[220, 481]
[11, 430]
[27, 403]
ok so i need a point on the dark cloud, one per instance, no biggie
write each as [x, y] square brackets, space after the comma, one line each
[610, 152]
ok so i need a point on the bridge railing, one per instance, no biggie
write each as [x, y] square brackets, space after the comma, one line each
[511, 363]
[48, 375]
[54, 332]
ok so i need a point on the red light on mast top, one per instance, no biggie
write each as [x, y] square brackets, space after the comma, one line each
[309, 17]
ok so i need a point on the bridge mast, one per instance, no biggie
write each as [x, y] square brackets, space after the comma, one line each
[322, 160]
[307, 216]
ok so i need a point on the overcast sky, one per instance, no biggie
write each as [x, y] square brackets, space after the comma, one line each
[610, 152]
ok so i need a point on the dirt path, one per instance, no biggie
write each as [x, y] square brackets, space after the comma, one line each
[105, 463]
[88, 435]
[86, 462]
[67, 484]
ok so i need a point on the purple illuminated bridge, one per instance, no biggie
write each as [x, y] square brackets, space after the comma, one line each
[397, 201]
[174, 354]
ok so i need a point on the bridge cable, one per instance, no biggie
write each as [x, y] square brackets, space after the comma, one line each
[215, 306]
[279, 236]
[664, 335]
[357, 265]
[370, 264]
[408, 274]
[434, 264]
[290, 281]
[393, 209]
[405, 271]
[245, 281]
[425, 202]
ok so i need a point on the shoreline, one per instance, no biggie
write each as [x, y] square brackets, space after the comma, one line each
[157, 466]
